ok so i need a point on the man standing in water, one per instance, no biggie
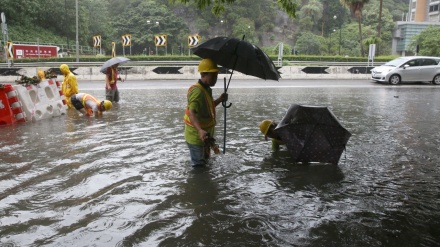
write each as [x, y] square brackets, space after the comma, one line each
[200, 113]
[111, 79]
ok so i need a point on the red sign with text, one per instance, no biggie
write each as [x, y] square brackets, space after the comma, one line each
[34, 51]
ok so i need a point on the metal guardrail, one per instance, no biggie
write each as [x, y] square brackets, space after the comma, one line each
[329, 63]
[182, 63]
[93, 64]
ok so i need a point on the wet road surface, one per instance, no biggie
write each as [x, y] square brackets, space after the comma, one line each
[125, 179]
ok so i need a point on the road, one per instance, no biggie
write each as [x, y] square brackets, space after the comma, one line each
[311, 83]
[125, 179]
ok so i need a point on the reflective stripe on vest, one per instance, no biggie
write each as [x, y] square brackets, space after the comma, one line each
[209, 103]
[89, 97]
[114, 75]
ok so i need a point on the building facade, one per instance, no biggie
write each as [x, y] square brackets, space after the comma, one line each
[421, 14]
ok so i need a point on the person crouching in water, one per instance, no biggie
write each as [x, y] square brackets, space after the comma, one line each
[111, 87]
[200, 113]
[89, 105]
[267, 127]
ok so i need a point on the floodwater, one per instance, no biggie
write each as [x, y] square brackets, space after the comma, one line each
[125, 179]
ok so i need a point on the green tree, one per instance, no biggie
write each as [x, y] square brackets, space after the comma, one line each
[350, 39]
[218, 8]
[313, 9]
[143, 20]
[356, 7]
[397, 8]
[310, 44]
[245, 27]
[370, 16]
[333, 9]
[427, 41]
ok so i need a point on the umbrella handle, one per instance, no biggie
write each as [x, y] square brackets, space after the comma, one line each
[226, 90]
[226, 106]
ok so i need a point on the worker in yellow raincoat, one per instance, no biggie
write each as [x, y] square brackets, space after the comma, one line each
[70, 85]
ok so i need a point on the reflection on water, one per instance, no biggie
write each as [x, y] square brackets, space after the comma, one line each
[125, 179]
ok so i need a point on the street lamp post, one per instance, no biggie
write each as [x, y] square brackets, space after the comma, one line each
[77, 40]
[330, 46]
[340, 29]
[157, 24]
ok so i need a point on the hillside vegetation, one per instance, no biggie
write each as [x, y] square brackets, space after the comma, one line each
[315, 31]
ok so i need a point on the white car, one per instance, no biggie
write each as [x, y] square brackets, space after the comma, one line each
[408, 69]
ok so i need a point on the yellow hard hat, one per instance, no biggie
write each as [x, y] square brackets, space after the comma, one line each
[107, 104]
[207, 65]
[264, 126]
[41, 74]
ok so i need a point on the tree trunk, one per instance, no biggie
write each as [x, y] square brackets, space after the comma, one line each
[379, 25]
[360, 34]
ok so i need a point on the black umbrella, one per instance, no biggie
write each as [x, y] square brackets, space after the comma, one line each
[237, 55]
[313, 134]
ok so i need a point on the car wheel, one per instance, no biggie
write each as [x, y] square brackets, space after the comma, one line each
[394, 79]
[436, 80]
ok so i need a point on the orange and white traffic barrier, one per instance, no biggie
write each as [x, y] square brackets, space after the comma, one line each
[10, 107]
[41, 101]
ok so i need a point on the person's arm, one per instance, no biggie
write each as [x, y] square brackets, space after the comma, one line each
[74, 85]
[203, 135]
[275, 145]
[95, 110]
[83, 111]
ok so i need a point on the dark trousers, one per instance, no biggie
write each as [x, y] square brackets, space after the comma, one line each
[112, 95]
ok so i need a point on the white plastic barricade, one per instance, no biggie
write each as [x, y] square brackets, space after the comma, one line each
[41, 101]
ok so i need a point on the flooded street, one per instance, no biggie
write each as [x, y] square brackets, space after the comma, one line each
[126, 180]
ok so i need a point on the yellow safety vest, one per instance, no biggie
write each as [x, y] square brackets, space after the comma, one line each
[89, 97]
[113, 76]
[211, 108]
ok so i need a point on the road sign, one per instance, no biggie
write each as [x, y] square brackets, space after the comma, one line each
[10, 52]
[371, 51]
[160, 40]
[193, 40]
[126, 40]
[97, 41]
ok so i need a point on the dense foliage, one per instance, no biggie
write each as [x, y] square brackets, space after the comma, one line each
[428, 42]
[313, 27]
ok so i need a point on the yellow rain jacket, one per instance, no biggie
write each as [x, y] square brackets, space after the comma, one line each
[70, 85]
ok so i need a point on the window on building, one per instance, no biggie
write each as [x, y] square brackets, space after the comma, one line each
[433, 8]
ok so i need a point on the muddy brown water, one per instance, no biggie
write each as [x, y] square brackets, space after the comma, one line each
[125, 179]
